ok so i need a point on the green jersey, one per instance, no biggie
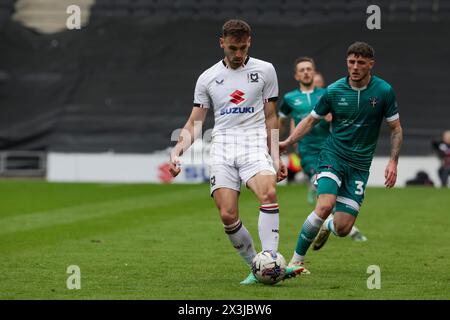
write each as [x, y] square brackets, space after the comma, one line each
[299, 104]
[357, 116]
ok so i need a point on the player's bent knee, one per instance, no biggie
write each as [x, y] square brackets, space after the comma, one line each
[228, 215]
[323, 209]
[269, 196]
[342, 231]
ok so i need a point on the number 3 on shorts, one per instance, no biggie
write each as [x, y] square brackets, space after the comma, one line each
[359, 188]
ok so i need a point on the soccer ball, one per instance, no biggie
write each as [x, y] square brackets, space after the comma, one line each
[269, 267]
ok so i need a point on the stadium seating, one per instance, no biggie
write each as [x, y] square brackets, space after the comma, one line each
[126, 80]
[6, 10]
[292, 12]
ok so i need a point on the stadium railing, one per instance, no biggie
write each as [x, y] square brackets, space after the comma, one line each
[23, 164]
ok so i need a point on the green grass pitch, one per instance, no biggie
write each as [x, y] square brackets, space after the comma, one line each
[167, 242]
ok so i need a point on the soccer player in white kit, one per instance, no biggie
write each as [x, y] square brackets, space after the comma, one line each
[243, 93]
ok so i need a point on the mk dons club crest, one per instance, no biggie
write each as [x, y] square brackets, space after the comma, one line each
[253, 77]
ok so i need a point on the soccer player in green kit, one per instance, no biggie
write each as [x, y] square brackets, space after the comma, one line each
[358, 104]
[298, 104]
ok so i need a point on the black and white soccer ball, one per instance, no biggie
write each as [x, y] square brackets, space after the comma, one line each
[269, 267]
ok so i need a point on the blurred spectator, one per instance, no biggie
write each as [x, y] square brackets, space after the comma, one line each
[443, 150]
[319, 81]
[421, 179]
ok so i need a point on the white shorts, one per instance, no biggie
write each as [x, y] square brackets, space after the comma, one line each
[234, 163]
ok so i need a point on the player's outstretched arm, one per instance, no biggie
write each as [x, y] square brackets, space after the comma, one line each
[299, 132]
[390, 174]
[187, 136]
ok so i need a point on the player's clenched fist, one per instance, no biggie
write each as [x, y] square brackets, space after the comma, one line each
[282, 172]
[174, 166]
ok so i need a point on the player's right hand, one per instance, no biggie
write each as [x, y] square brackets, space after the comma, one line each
[174, 166]
[390, 174]
[282, 171]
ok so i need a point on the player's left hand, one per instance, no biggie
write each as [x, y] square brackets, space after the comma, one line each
[282, 171]
[390, 174]
[283, 146]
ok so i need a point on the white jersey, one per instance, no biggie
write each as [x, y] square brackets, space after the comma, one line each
[237, 95]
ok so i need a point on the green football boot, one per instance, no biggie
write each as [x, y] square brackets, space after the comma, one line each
[251, 279]
[292, 272]
[293, 264]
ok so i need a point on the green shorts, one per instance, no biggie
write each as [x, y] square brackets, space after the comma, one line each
[335, 176]
[309, 165]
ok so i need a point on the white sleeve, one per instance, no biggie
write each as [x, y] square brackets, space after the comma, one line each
[270, 90]
[316, 115]
[201, 97]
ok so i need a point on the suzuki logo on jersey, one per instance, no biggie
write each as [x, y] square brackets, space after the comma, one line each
[237, 97]
[237, 110]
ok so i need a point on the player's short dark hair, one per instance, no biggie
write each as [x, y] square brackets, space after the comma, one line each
[361, 49]
[303, 59]
[236, 28]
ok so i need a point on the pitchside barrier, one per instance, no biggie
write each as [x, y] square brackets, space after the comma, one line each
[22, 164]
[153, 168]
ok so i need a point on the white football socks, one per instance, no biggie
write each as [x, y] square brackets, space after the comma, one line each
[329, 224]
[354, 231]
[268, 226]
[241, 240]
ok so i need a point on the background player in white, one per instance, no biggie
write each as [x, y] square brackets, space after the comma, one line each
[243, 92]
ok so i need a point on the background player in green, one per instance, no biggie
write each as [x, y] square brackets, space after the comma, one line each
[358, 104]
[298, 104]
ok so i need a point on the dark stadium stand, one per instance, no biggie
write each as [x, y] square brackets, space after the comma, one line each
[6, 10]
[284, 11]
[125, 81]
